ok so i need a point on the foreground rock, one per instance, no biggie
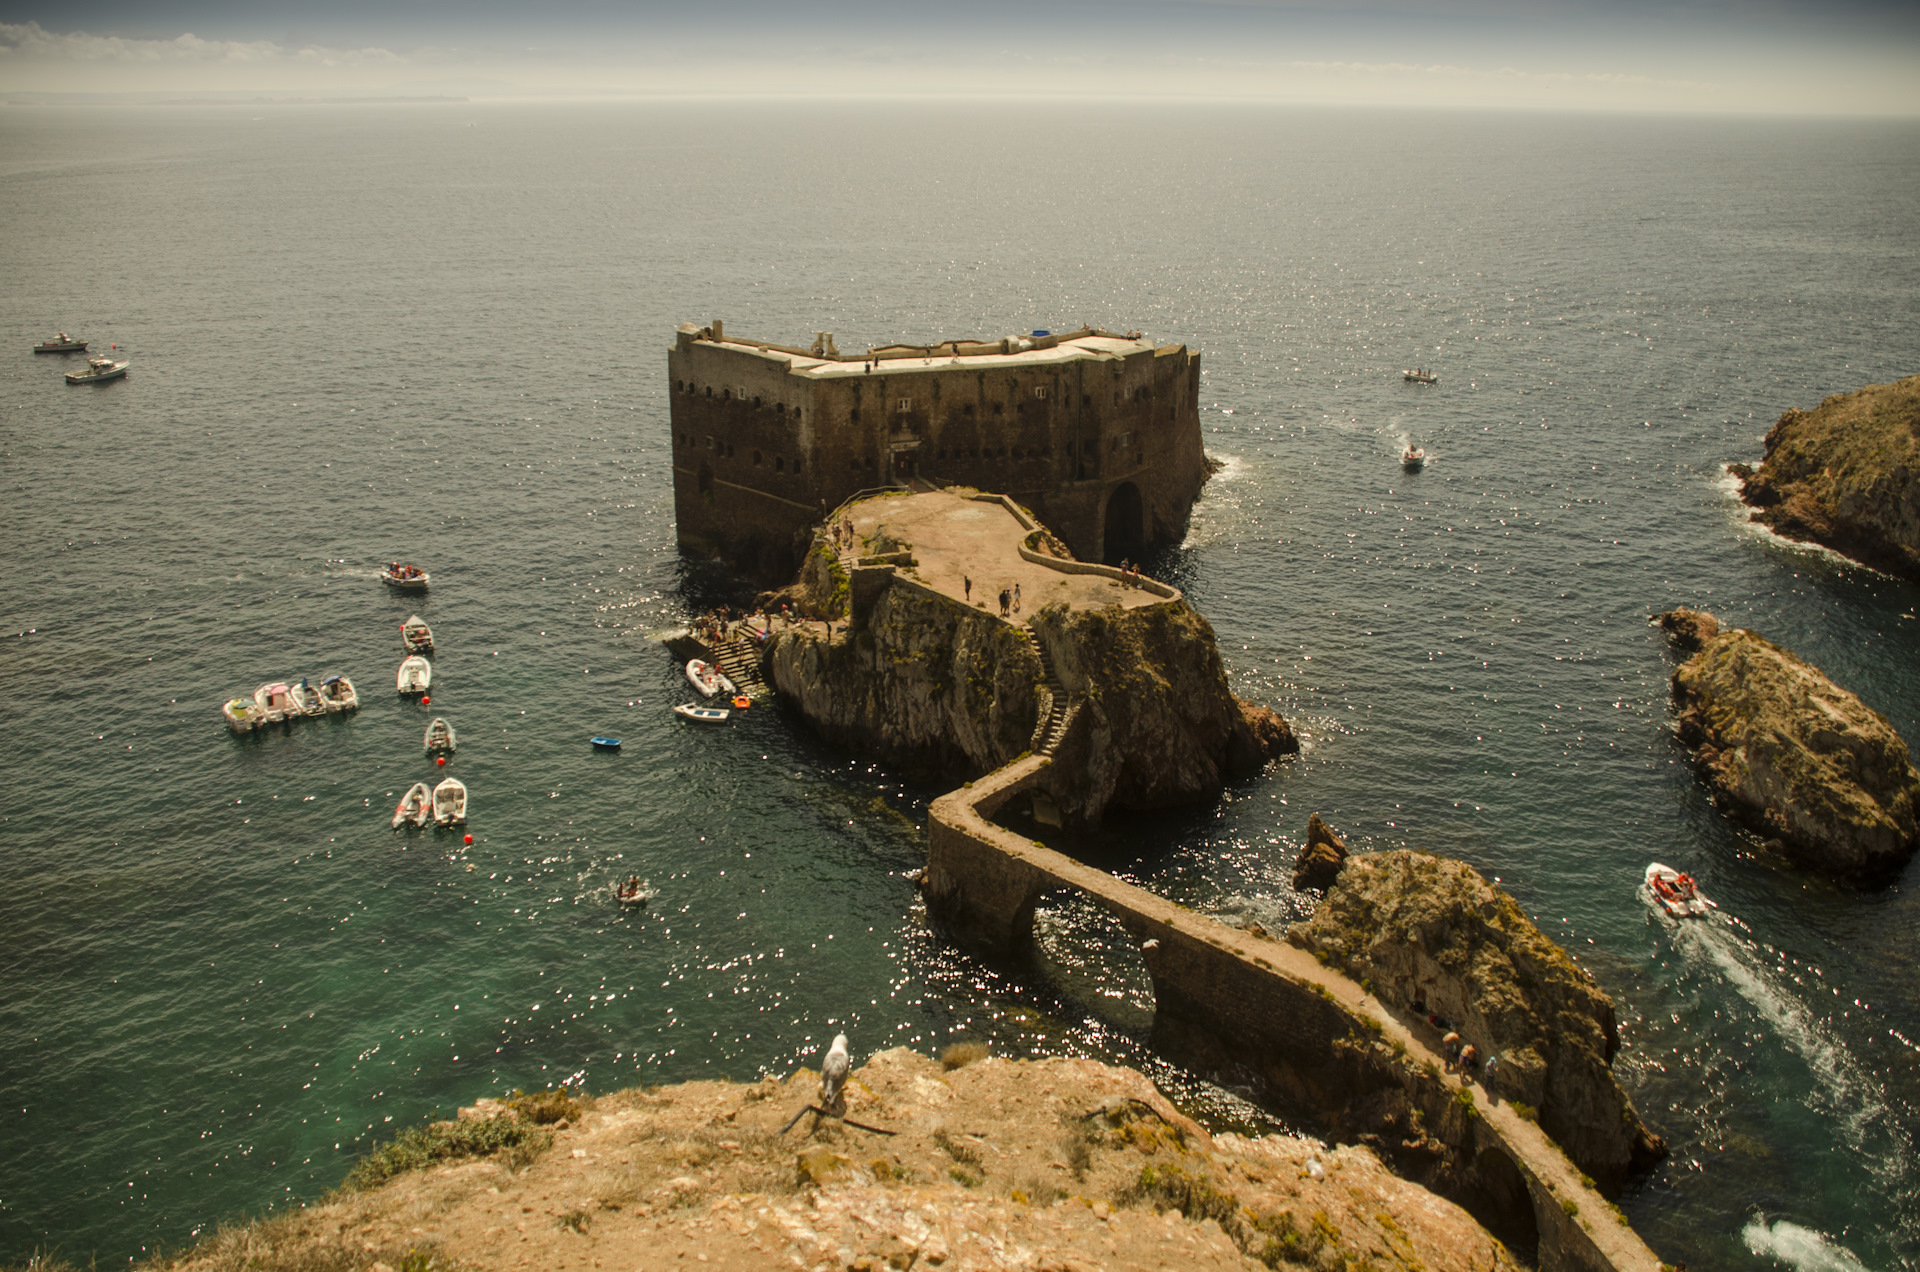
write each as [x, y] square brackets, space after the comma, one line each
[1055, 1166]
[1430, 931]
[1320, 861]
[1846, 475]
[1796, 758]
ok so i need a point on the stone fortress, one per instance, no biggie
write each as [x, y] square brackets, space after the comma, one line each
[1097, 433]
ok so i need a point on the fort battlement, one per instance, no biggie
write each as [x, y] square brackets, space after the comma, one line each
[1097, 432]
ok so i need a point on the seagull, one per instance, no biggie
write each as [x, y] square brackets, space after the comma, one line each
[833, 1071]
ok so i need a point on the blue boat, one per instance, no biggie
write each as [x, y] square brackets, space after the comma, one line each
[607, 744]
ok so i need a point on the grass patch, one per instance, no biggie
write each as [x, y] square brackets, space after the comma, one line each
[516, 1140]
[962, 1054]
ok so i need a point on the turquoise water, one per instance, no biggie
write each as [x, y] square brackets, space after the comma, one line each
[439, 334]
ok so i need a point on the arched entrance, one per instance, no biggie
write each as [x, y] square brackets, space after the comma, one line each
[1125, 531]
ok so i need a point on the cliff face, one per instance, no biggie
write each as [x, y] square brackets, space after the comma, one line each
[1847, 475]
[1426, 929]
[1054, 1164]
[1797, 758]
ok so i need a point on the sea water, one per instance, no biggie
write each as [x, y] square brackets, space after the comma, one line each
[438, 333]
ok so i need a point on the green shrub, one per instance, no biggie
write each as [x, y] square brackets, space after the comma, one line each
[423, 1146]
[962, 1054]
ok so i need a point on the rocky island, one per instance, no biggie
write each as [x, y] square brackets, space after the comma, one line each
[1113, 675]
[1791, 755]
[1846, 475]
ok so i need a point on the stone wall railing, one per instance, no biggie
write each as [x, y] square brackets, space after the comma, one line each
[1157, 588]
[1308, 1028]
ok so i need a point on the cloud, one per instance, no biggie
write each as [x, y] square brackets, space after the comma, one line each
[30, 43]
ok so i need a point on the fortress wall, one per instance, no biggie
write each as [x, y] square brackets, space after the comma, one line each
[1306, 1028]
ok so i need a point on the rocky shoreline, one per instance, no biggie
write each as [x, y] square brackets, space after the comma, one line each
[1846, 475]
[1792, 756]
[1057, 1165]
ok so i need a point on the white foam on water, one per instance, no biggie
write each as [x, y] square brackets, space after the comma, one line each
[1804, 1249]
[1852, 1092]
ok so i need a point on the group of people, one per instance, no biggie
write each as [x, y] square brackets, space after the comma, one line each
[1463, 1057]
[1129, 573]
[400, 571]
[1009, 596]
[843, 534]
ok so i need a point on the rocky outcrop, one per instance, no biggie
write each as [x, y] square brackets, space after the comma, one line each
[1846, 475]
[1419, 929]
[1688, 629]
[1320, 860]
[1058, 1165]
[1796, 758]
[931, 686]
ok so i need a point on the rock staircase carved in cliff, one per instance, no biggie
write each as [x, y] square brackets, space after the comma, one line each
[739, 658]
[1056, 709]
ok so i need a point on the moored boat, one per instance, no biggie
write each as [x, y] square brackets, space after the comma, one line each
[1419, 376]
[1676, 893]
[276, 703]
[415, 675]
[242, 715]
[62, 343]
[633, 891]
[99, 370]
[408, 578]
[416, 635]
[337, 694]
[605, 744]
[701, 715]
[450, 803]
[709, 679]
[1413, 459]
[440, 737]
[415, 806]
[307, 698]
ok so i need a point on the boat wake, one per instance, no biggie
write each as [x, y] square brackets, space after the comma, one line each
[1804, 1249]
[1846, 1090]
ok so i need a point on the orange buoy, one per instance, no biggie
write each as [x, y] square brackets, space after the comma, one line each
[424, 700]
[440, 760]
[469, 838]
[742, 702]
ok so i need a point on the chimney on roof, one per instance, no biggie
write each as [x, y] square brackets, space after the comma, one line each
[823, 345]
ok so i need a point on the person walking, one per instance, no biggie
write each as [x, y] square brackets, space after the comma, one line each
[1016, 598]
[1005, 597]
[966, 588]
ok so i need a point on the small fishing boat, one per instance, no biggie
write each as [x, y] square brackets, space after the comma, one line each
[701, 715]
[336, 694]
[415, 675]
[415, 806]
[416, 635]
[450, 803]
[1676, 893]
[1414, 459]
[308, 699]
[276, 703]
[605, 744]
[709, 679]
[62, 343]
[99, 371]
[408, 578]
[440, 737]
[1421, 377]
[242, 715]
[633, 891]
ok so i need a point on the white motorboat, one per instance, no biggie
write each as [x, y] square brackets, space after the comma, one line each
[1414, 459]
[62, 343]
[242, 715]
[701, 715]
[709, 679]
[99, 371]
[450, 803]
[336, 694]
[415, 675]
[415, 806]
[1421, 376]
[1676, 893]
[276, 703]
[416, 635]
[308, 699]
[408, 578]
[440, 737]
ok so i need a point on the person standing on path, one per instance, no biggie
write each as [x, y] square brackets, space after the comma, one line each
[1016, 598]
[966, 588]
[1005, 597]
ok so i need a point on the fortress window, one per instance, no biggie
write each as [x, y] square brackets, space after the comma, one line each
[796, 414]
[1046, 452]
[853, 463]
[779, 408]
[967, 410]
[679, 385]
[756, 459]
[906, 404]
[973, 452]
[997, 408]
[796, 467]
[1040, 390]
[726, 394]
[729, 450]
[854, 415]
[779, 464]
[1086, 399]
[869, 463]
[709, 390]
[756, 403]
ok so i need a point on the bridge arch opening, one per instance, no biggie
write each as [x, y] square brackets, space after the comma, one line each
[1125, 530]
[1090, 962]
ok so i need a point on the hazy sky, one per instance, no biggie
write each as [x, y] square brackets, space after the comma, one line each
[1794, 56]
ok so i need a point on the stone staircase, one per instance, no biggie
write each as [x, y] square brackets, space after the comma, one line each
[739, 658]
[1056, 714]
